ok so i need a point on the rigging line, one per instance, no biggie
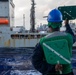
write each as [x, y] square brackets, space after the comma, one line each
[67, 2]
[58, 4]
[62, 2]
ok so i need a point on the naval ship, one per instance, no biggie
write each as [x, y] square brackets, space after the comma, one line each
[9, 38]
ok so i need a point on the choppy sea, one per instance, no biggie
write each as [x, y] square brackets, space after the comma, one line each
[17, 61]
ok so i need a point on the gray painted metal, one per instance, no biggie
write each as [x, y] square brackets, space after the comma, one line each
[7, 11]
[7, 41]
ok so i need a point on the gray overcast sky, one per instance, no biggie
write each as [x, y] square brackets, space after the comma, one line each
[42, 9]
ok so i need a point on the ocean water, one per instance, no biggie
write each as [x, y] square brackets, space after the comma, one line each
[18, 62]
[27, 72]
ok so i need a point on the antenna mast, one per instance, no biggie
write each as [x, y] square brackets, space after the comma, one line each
[24, 20]
[32, 17]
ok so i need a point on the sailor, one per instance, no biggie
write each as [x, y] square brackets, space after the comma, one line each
[52, 54]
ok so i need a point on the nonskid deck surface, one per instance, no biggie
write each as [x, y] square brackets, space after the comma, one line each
[18, 61]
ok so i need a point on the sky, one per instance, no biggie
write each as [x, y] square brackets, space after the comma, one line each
[42, 8]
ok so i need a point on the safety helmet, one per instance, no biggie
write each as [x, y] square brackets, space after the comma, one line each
[54, 18]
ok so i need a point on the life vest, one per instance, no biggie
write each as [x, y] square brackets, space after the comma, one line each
[57, 48]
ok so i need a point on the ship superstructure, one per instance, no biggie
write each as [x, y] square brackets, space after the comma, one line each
[32, 17]
[6, 20]
[9, 38]
[6, 12]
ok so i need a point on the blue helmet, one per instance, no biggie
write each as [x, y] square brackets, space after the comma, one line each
[54, 16]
